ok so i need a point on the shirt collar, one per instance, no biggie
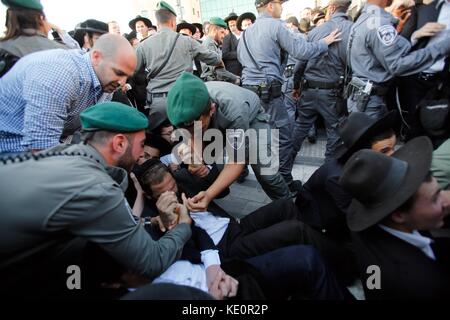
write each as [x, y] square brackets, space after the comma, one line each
[439, 3]
[337, 15]
[414, 238]
[95, 81]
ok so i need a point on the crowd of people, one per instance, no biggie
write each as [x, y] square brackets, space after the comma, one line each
[101, 167]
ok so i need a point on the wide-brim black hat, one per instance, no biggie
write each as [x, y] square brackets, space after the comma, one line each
[92, 25]
[232, 16]
[359, 128]
[130, 36]
[186, 25]
[398, 178]
[132, 23]
[242, 17]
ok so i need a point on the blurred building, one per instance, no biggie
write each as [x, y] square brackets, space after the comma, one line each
[220, 8]
[188, 10]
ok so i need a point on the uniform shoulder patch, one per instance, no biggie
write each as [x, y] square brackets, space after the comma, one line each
[387, 34]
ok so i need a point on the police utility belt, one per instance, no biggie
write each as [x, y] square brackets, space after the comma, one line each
[266, 91]
[360, 91]
[309, 84]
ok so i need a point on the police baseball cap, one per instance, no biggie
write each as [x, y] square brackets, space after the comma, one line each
[262, 3]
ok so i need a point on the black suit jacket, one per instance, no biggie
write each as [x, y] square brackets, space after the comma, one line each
[323, 203]
[406, 272]
[420, 16]
[229, 54]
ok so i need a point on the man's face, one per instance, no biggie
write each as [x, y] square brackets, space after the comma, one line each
[113, 72]
[197, 35]
[186, 32]
[168, 184]
[429, 208]
[142, 29]
[114, 28]
[232, 26]
[220, 34]
[134, 151]
[386, 146]
[246, 23]
[149, 153]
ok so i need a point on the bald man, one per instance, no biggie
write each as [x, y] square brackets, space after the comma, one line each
[42, 96]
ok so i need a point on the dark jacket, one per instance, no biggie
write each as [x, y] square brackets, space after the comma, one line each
[229, 54]
[406, 272]
[323, 203]
[420, 16]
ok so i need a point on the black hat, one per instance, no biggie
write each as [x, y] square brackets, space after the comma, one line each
[132, 23]
[242, 17]
[186, 25]
[92, 25]
[380, 184]
[358, 128]
[130, 36]
[232, 16]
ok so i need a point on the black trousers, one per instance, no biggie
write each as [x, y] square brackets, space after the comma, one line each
[275, 226]
[411, 90]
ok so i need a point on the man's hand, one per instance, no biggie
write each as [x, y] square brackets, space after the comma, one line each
[183, 212]
[333, 37]
[199, 203]
[157, 221]
[296, 94]
[222, 286]
[167, 204]
[428, 30]
[136, 183]
[198, 170]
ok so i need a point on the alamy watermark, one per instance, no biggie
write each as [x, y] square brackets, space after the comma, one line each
[252, 146]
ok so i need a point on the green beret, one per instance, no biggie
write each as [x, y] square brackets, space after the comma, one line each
[114, 117]
[164, 5]
[28, 4]
[218, 22]
[187, 99]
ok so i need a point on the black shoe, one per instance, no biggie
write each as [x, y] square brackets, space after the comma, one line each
[295, 186]
[312, 135]
[243, 175]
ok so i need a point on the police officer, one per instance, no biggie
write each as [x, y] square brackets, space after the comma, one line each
[323, 81]
[288, 85]
[262, 51]
[26, 32]
[378, 54]
[165, 55]
[80, 199]
[213, 41]
[224, 106]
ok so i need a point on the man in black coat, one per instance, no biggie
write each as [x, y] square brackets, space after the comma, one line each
[395, 198]
[229, 46]
[428, 24]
